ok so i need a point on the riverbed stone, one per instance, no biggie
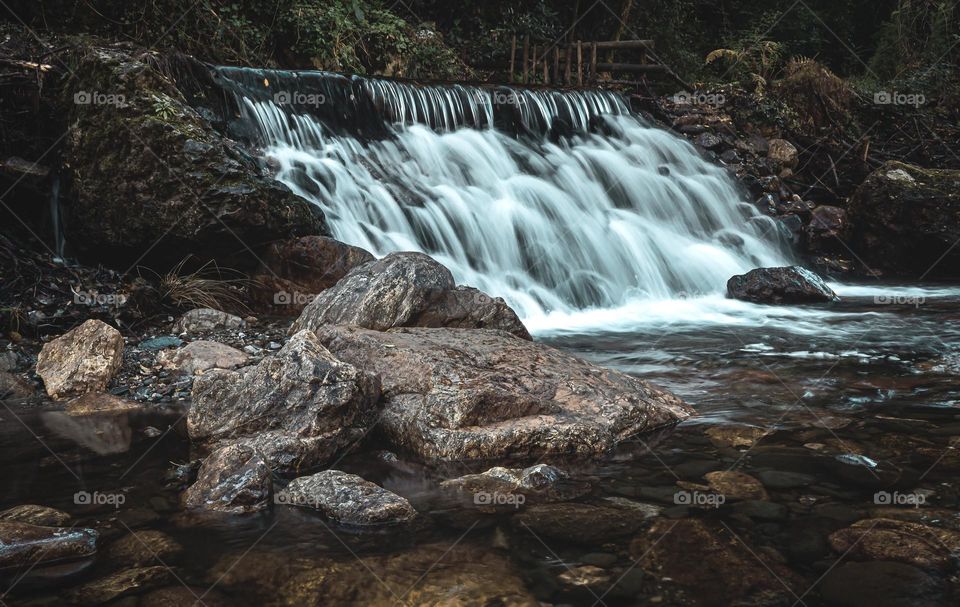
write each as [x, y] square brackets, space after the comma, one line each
[24, 545]
[458, 394]
[145, 547]
[407, 290]
[120, 584]
[585, 524]
[200, 356]
[81, 360]
[347, 499]
[234, 479]
[734, 485]
[786, 285]
[33, 514]
[783, 153]
[298, 407]
[94, 403]
[536, 484]
[895, 540]
[15, 388]
[885, 583]
[205, 320]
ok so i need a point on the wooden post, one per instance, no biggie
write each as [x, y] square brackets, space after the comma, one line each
[546, 67]
[513, 56]
[593, 63]
[579, 63]
[533, 65]
[526, 56]
[556, 63]
[566, 79]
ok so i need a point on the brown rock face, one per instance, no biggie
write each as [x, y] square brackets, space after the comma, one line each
[296, 270]
[82, 360]
[905, 221]
[297, 407]
[234, 479]
[789, 285]
[407, 290]
[347, 499]
[457, 394]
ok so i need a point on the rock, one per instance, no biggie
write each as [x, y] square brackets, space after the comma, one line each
[787, 285]
[347, 499]
[25, 545]
[136, 173]
[8, 361]
[458, 394]
[13, 387]
[902, 541]
[184, 596]
[82, 360]
[579, 523]
[299, 407]
[200, 356]
[586, 575]
[905, 221]
[735, 485]
[708, 141]
[295, 271]
[784, 153]
[36, 515]
[406, 290]
[761, 510]
[103, 432]
[205, 320]
[120, 584]
[100, 402]
[779, 479]
[234, 479]
[537, 483]
[697, 554]
[882, 583]
[826, 228]
[160, 343]
[147, 547]
[735, 436]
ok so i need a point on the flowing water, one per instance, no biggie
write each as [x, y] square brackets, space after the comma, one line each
[613, 240]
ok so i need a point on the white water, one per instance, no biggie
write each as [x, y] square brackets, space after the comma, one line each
[579, 230]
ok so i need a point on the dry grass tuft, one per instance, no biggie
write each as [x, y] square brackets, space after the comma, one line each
[819, 97]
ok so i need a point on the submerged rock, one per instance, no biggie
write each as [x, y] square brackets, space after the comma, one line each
[882, 583]
[580, 523]
[147, 547]
[200, 356]
[82, 360]
[14, 387]
[204, 320]
[540, 483]
[458, 394]
[94, 403]
[36, 515]
[347, 499]
[787, 285]
[905, 221]
[234, 479]
[894, 540]
[407, 290]
[120, 584]
[26, 545]
[299, 407]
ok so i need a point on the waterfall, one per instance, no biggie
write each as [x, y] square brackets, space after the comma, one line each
[555, 201]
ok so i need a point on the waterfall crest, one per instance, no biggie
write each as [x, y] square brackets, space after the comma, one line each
[556, 201]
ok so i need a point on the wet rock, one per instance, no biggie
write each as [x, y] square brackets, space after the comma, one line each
[294, 271]
[184, 596]
[148, 547]
[826, 228]
[787, 285]
[586, 575]
[299, 406]
[460, 394]
[134, 173]
[761, 510]
[104, 433]
[347, 499]
[118, 585]
[599, 559]
[25, 545]
[8, 361]
[82, 360]
[735, 436]
[696, 554]
[200, 356]
[13, 387]
[160, 343]
[905, 221]
[536, 483]
[234, 479]
[902, 541]
[882, 583]
[779, 479]
[205, 320]
[407, 290]
[708, 141]
[100, 402]
[735, 485]
[36, 515]
[783, 153]
[580, 523]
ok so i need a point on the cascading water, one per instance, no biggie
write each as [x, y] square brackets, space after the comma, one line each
[582, 206]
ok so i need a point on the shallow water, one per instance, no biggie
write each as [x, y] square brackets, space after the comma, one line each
[829, 388]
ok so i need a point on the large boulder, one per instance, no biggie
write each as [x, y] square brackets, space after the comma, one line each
[294, 271]
[347, 499]
[788, 285]
[407, 290]
[298, 407]
[82, 360]
[235, 479]
[459, 394]
[905, 221]
[150, 177]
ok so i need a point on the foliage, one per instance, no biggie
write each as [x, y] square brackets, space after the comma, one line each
[819, 98]
[757, 62]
